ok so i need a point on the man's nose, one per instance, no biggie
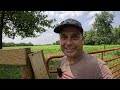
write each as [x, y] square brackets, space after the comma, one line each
[69, 42]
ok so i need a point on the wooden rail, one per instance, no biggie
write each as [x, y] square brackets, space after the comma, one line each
[18, 57]
[33, 63]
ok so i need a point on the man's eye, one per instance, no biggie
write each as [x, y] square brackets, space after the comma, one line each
[75, 38]
[63, 37]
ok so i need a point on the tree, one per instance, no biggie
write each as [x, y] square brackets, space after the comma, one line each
[116, 35]
[103, 25]
[25, 23]
[30, 44]
[58, 42]
[1, 26]
[89, 37]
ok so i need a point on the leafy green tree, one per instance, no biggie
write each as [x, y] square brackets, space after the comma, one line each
[30, 44]
[116, 35]
[58, 42]
[25, 23]
[103, 23]
[103, 26]
[89, 37]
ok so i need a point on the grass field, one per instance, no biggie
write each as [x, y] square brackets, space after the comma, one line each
[15, 72]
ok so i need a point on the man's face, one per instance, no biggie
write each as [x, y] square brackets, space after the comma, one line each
[71, 41]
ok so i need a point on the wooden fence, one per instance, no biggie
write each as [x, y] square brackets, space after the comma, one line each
[33, 63]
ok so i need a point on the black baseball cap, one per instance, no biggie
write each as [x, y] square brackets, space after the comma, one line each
[69, 22]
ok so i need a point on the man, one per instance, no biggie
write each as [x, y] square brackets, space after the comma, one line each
[76, 64]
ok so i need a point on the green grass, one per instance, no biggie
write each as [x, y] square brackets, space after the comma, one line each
[10, 72]
[14, 72]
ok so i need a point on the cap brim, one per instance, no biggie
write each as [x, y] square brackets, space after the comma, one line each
[59, 28]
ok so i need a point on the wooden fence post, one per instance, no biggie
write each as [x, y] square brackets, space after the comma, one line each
[27, 69]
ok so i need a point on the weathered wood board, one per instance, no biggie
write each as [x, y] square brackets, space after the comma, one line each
[38, 65]
[13, 56]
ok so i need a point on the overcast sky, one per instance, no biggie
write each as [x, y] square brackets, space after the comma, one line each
[85, 17]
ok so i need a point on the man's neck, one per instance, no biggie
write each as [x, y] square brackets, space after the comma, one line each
[75, 59]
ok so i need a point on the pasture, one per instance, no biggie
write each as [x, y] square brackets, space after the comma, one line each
[15, 72]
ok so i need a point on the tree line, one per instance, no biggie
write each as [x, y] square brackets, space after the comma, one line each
[10, 44]
[103, 31]
[92, 37]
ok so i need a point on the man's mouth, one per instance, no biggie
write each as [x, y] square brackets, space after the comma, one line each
[69, 50]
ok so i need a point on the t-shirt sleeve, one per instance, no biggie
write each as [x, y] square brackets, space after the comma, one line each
[105, 72]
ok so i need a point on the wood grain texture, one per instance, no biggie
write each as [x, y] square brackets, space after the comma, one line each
[45, 62]
[38, 65]
[13, 56]
[30, 73]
